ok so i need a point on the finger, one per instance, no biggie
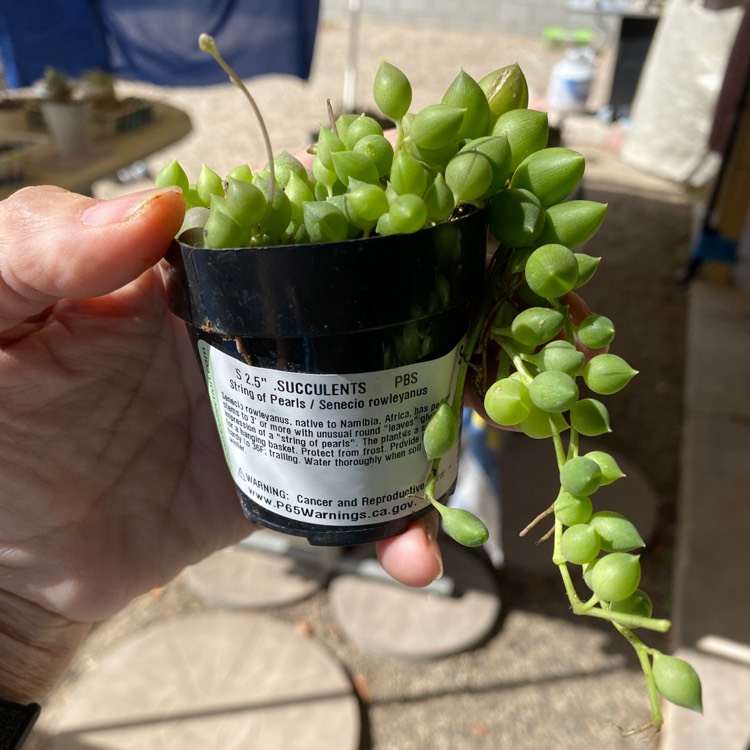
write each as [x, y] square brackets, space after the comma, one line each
[578, 309]
[476, 387]
[475, 402]
[55, 244]
[413, 558]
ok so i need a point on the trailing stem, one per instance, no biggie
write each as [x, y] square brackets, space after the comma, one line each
[643, 651]
[207, 43]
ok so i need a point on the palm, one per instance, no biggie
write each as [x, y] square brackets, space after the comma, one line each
[111, 472]
[142, 488]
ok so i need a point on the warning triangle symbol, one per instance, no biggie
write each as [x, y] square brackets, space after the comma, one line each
[241, 475]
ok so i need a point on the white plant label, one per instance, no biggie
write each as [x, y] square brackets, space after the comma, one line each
[331, 450]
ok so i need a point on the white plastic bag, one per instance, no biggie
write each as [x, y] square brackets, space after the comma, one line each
[674, 105]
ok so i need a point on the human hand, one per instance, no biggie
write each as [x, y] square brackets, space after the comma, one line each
[112, 474]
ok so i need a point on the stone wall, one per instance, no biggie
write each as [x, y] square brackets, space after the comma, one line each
[523, 17]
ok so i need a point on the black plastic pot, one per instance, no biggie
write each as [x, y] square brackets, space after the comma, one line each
[321, 360]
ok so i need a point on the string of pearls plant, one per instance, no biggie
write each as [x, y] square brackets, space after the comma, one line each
[480, 146]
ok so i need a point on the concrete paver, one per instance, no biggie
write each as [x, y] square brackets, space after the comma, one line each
[213, 680]
[245, 577]
[411, 624]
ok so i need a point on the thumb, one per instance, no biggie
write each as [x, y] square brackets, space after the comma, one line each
[55, 244]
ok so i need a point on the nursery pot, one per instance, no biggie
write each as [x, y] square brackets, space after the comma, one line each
[323, 364]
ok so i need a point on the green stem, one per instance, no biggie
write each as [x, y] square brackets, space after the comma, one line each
[429, 487]
[503, 364]
[331, 118]
[643, 657]
[559, 560]
[399, 136]
[591, 602]
[573, 444]
[207, 43]
[558, 443]
[569, 331]
[585, 608]
[517, 359]
[628, 621]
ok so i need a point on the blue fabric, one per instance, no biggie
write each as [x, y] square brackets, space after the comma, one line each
[712, 245]
[63, 34]
[156, 40]
[479, 441]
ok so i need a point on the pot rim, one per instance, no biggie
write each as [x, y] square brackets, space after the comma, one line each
[326, 289]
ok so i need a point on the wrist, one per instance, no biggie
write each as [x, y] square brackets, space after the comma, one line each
[36, 647]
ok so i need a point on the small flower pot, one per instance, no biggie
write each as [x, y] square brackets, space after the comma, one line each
[69, 124]
[323, 364]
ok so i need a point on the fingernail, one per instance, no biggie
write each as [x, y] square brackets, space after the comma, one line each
[431, 531]
[121, 208]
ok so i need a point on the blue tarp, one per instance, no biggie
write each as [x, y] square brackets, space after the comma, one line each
[156, 40]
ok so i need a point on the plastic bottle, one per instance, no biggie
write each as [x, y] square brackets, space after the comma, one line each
[570, 81]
